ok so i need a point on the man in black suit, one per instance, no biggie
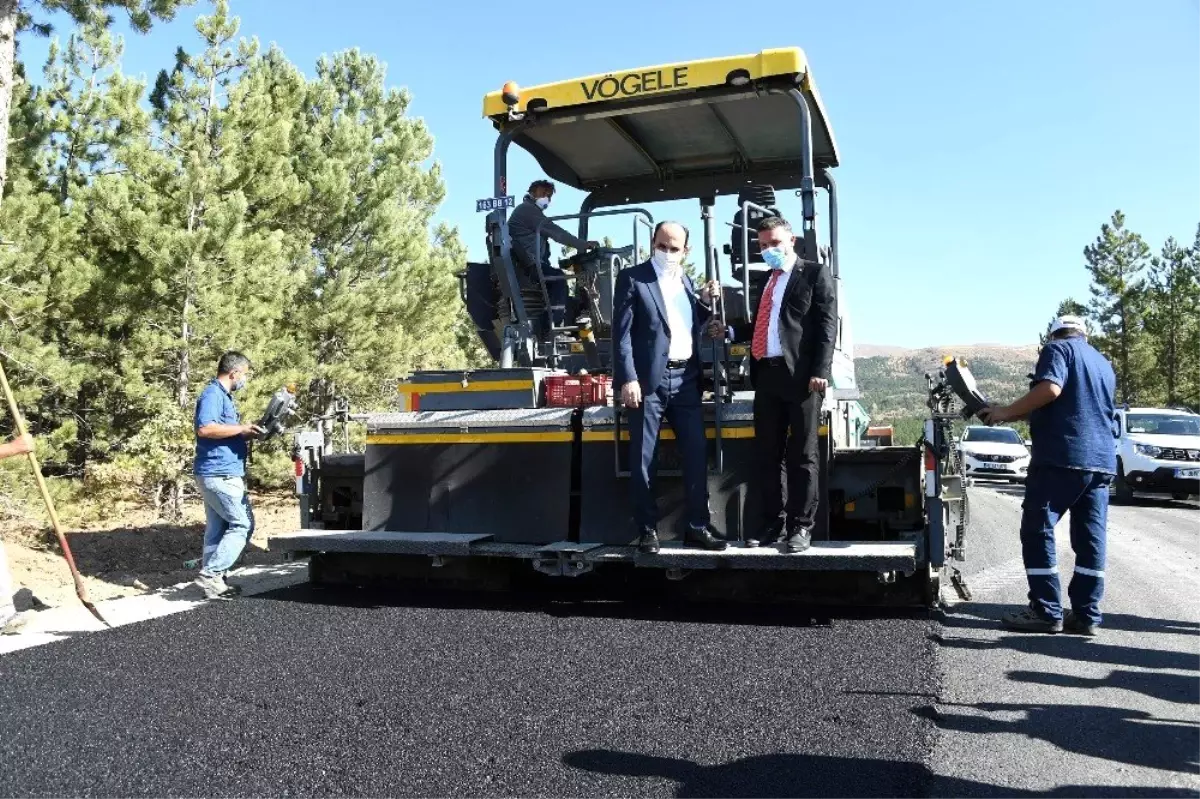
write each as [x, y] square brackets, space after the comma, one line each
[792, 339]
[657, 319]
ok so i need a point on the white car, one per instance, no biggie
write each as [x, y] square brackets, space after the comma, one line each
[997, 453]
[1158, 452]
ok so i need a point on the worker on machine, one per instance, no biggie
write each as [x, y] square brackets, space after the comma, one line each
[792, 340]
[523, 230]
[657, 319]
[1071, 408]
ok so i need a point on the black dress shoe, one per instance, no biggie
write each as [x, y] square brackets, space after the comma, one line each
[768, 536]
[648, 542]
[705, 539]
[799, 538]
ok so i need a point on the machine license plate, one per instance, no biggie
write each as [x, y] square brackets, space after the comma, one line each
[493, 203]
[1188, 474]
[994, 466]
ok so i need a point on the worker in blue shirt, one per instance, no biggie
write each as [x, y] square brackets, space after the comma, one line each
[1072, 414]
[220, 470]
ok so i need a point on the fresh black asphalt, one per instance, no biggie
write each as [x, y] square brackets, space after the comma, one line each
[315, 693]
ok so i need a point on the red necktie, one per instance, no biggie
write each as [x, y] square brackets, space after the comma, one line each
[758, 345]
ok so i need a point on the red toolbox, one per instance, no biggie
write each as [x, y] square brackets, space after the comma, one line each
[577, 391]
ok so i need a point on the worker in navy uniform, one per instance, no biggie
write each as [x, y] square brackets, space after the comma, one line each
[657, 321]
[523, 231]
[792, 335]
[1071, 407]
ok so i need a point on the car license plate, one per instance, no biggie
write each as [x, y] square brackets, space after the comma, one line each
[996, 466]
[1188, 474]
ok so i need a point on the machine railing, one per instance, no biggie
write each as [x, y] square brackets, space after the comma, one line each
[639, 215]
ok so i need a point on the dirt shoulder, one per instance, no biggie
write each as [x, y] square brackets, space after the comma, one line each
[130, 553]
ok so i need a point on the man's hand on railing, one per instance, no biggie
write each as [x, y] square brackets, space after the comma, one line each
[631, 394]
[711, 292]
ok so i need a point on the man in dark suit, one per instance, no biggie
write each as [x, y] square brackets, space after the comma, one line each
[792, 338]
[657, 319]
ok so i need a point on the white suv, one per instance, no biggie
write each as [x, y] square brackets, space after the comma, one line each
[1158, 452]
[998, 453]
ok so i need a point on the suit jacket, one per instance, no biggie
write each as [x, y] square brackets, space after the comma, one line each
[641, 336]
[808, 323]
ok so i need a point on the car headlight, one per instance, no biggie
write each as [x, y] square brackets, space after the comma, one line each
[1149, 450]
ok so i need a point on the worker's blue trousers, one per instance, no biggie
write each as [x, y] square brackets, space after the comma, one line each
[1051, 492]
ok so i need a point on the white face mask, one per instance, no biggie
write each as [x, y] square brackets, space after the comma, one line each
[542, 202]
[668, 261]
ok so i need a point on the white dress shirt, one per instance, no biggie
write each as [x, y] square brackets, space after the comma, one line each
[679, 313]
[774, 348]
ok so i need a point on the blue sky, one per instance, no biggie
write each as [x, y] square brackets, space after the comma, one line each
[982, 143]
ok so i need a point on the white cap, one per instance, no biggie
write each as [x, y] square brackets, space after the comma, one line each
[1068, 323]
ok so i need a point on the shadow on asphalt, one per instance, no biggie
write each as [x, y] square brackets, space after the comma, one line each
[1116, 734]
[1129, 736]
[1077, 648]
[986, 616]
[1181, 688]
[788, 775]
[609, 605]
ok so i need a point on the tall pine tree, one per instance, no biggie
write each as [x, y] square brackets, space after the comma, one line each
[193, 277]
[1173, 306]
[1117, 261]
[380, 296]
[1190, 382]
[21, 15]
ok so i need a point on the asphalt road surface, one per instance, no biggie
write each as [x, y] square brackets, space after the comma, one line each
[302, 692]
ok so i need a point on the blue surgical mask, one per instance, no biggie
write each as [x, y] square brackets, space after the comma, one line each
[775, 257]
[239, 384]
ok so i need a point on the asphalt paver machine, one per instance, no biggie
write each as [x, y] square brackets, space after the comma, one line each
[489, 476]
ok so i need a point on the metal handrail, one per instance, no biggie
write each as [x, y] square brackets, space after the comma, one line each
[639, 214]
[746, 206]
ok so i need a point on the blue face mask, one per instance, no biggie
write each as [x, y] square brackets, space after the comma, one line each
[775, 257]
[239, 384]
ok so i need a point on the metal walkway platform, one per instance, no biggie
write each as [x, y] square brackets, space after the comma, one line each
[898, 556]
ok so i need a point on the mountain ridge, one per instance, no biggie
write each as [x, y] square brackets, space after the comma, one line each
[892, 379]
[960, 350]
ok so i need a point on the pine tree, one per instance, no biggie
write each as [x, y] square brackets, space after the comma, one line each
[91, 110]
[1171, 314]
[1189, 388]
[30, 223]
[1068, 307]
[191, 278]
[244, 207]
[1116, 262]
[19, 15]
[381, 297]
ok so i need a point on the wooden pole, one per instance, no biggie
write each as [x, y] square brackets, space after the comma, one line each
[19, 421]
